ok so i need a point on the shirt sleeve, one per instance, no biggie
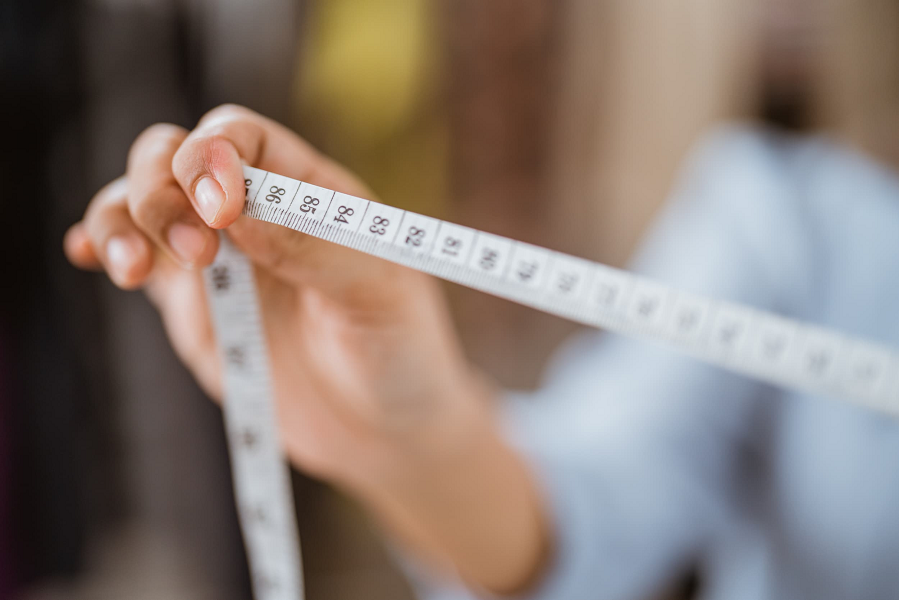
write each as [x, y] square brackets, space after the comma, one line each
[638, 449]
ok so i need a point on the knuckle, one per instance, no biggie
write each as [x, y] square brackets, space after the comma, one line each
[200, 156]
[145, 208]
[156, 139]
[214, 149]
[113, 192]
[225, 113]
[163, 130]
[160, 133]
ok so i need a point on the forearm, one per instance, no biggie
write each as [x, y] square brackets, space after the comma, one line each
[469, 505]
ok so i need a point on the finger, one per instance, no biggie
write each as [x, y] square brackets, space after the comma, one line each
[345, 275]
[209, 164]
[181, 301]
[118, 244]
[78, 248]
[157, 203]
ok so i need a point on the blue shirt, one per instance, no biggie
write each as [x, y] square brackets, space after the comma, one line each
[655, 465]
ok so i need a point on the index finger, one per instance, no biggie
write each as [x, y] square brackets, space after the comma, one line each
[209, 164]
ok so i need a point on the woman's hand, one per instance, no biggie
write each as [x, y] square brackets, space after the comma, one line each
[373, 390]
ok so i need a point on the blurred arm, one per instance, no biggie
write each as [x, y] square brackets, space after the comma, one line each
[638, 450]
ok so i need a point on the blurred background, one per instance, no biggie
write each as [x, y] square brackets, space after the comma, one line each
[558, 122]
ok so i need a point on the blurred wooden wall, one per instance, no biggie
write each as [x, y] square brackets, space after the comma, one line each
[501, 58]
[569, 121]
[859, 88]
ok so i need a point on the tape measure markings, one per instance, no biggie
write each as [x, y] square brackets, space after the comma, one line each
[743, 339]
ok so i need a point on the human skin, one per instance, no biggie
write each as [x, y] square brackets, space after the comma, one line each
[373, 391]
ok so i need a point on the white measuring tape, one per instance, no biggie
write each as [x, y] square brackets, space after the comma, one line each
[749, 341]
[261, 478]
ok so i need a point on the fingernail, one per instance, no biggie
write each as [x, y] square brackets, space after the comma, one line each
[123, 254]
[187, 242]
[210, 198]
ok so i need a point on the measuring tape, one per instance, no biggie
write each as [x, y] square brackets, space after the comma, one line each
[762, 345]
[261, 478]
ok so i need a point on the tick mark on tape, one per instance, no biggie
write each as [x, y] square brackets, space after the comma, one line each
[248, 438]
[221, 278]
[236, 357]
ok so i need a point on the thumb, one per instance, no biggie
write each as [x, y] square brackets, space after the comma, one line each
[209, 163]
[209, 167]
